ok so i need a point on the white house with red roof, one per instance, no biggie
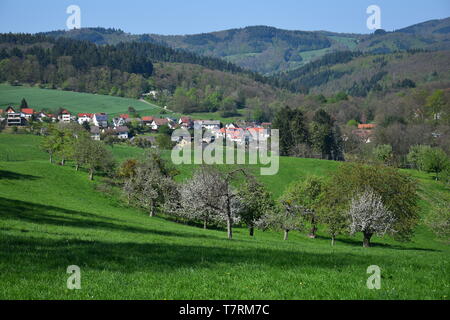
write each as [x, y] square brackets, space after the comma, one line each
[65, 116]
[100, 120]
[147, 120]
[186, 122]
[85, 117]
[27, 113]
[13, 118]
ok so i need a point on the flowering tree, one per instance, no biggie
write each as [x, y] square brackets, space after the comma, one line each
[209, 195]
[370, 216]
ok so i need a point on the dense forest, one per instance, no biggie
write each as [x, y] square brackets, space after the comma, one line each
[269, 50]
[121, 69]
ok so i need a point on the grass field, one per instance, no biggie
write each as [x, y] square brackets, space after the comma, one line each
[73, 101]
[52, 217]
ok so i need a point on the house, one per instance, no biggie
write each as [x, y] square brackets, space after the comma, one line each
[117, 122]
[122, 132]
[121, 120]
[152, 93]
[65, 116]
[100, 120]
[236, 135]
[365, 132]
[186, 122]
[27, 113]
[95, 133]
[41, 116]
[231, 126]
[232, 134]
[213, 125]
[13, 118]
[368, 126]
[258, 133]
[147, 120]
[52, 117]
[364, 135]
[85, 117]
[158, 122]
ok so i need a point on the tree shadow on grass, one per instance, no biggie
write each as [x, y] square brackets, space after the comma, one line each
[51, 215]
[358, 243]
[126, 257]
[9, 175]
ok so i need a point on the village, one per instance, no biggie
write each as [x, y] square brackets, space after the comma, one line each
[121, 127]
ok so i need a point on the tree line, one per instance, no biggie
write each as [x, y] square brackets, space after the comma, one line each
[357, 198]
[301, 137]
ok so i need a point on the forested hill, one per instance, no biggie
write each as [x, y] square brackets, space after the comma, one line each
[269, 50]
[187, 81]
[358, 73]
[126, 52]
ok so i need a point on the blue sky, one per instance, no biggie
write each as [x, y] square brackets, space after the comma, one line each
[196, 16]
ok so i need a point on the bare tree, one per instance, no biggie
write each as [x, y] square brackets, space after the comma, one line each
[369, 216]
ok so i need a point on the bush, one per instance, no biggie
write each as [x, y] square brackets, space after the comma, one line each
[383, 153]
[416, 155]
[435, 161]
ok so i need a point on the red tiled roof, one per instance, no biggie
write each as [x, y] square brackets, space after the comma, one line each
[65, 112]
[366, 126]
[147, 118]
[27, 110]
[90, 115]
[124, 116]
[185, 119]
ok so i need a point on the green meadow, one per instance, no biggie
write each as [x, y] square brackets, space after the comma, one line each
[52, 217]
[75, 102]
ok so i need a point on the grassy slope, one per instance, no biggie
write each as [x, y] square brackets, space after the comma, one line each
[73, 101]
[86, 102]
[51, 217]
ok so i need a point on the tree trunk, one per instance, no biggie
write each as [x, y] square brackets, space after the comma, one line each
[152, 211]
[366, 240]
[77, 166]
[91, 174]
[251, 231]
[205, 223]
[312, 232]
[333, 240]
[63, 161]
[51, 158]
[229, 228]
[286, 233]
